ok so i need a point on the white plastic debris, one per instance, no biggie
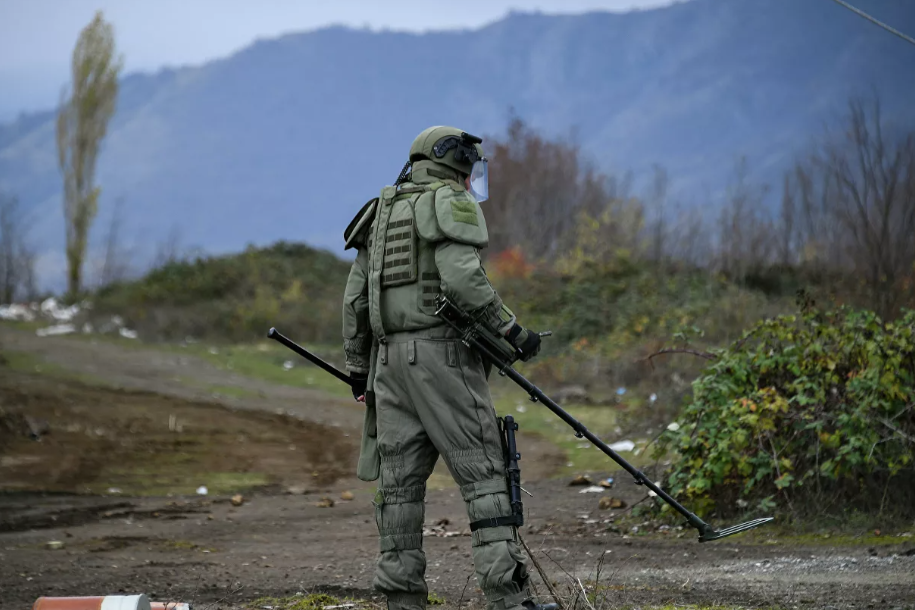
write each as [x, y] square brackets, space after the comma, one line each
[521, 409]
[594, 489]
[653, 397]
[202, 490]
[127, 333]
[673, 426]
[653, 494]
[16, 313]
[287, 366]
[114, 490]
[626, 445]
[53, 309]
[115, 323]
[57, 329]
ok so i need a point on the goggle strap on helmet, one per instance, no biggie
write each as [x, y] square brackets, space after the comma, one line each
[466, 150]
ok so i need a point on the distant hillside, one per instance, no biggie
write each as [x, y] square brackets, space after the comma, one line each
[286, 138]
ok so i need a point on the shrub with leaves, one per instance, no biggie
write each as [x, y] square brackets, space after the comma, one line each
[814, 412]
[234, 297]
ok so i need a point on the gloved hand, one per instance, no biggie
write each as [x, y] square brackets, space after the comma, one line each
[527, 341]
[360, 382]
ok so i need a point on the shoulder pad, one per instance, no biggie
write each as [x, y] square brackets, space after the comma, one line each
[460, 217]
[426, 222]
[355, 232]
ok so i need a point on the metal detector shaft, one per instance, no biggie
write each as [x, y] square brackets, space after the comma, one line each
[304, 353]
[706, 532]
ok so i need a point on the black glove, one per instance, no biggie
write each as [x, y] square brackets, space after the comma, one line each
[359, 383]
[527, 341]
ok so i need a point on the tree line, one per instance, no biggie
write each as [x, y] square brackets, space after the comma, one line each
[844, 224]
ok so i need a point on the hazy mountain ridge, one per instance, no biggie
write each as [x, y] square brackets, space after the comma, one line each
[287, 137]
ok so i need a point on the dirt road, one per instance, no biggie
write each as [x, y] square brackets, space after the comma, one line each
[276, 545]
[280, 541]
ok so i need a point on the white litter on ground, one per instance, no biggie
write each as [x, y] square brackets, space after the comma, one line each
[52, 308]
[57, 329]
[16, 313]
[623, 446]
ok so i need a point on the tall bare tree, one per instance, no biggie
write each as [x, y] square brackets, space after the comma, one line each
[857, 205]
[82, 122]
[745, 239]
[538, 186]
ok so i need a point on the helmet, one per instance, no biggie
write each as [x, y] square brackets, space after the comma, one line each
[449, 146]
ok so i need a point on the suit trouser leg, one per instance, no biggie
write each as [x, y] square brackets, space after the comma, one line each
[407, 458]
[449, 392]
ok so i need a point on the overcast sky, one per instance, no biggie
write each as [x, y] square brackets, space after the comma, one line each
[37, 36]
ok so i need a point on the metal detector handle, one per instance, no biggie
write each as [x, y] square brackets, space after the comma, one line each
[304, 353]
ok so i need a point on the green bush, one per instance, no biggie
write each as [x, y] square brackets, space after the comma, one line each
[235, 297]
[804, 411]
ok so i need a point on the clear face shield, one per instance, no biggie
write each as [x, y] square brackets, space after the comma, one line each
[478, 183]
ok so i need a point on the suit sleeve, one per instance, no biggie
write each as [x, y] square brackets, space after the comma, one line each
[357, 334]
[465, 282]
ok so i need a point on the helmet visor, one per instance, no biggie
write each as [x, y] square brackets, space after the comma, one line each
[479, 180]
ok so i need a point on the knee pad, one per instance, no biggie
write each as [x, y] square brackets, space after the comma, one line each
[399, 514]
[490, 513]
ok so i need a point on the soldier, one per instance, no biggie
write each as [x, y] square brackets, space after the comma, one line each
[426, 393]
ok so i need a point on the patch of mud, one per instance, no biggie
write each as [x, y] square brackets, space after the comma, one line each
[17, 518]
[104, 440]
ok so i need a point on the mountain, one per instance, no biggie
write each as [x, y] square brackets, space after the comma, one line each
[288, 137]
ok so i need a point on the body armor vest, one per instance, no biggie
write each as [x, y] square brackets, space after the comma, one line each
[403, 278]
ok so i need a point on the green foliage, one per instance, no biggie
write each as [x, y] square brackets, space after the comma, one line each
[235, 298]
[606, 318]
[312, 601]
[434, 599]
[817, 407]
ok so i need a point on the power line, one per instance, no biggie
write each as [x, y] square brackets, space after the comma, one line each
[886, 27]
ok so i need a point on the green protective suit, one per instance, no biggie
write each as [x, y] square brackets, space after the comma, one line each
[428, 393]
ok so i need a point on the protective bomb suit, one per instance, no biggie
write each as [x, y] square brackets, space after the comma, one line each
[426, 393]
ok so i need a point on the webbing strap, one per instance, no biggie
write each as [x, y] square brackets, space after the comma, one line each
[472, 491]
[400, 495]
[516, 520]
[376, 261]
[401, 542]
[488, 535]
